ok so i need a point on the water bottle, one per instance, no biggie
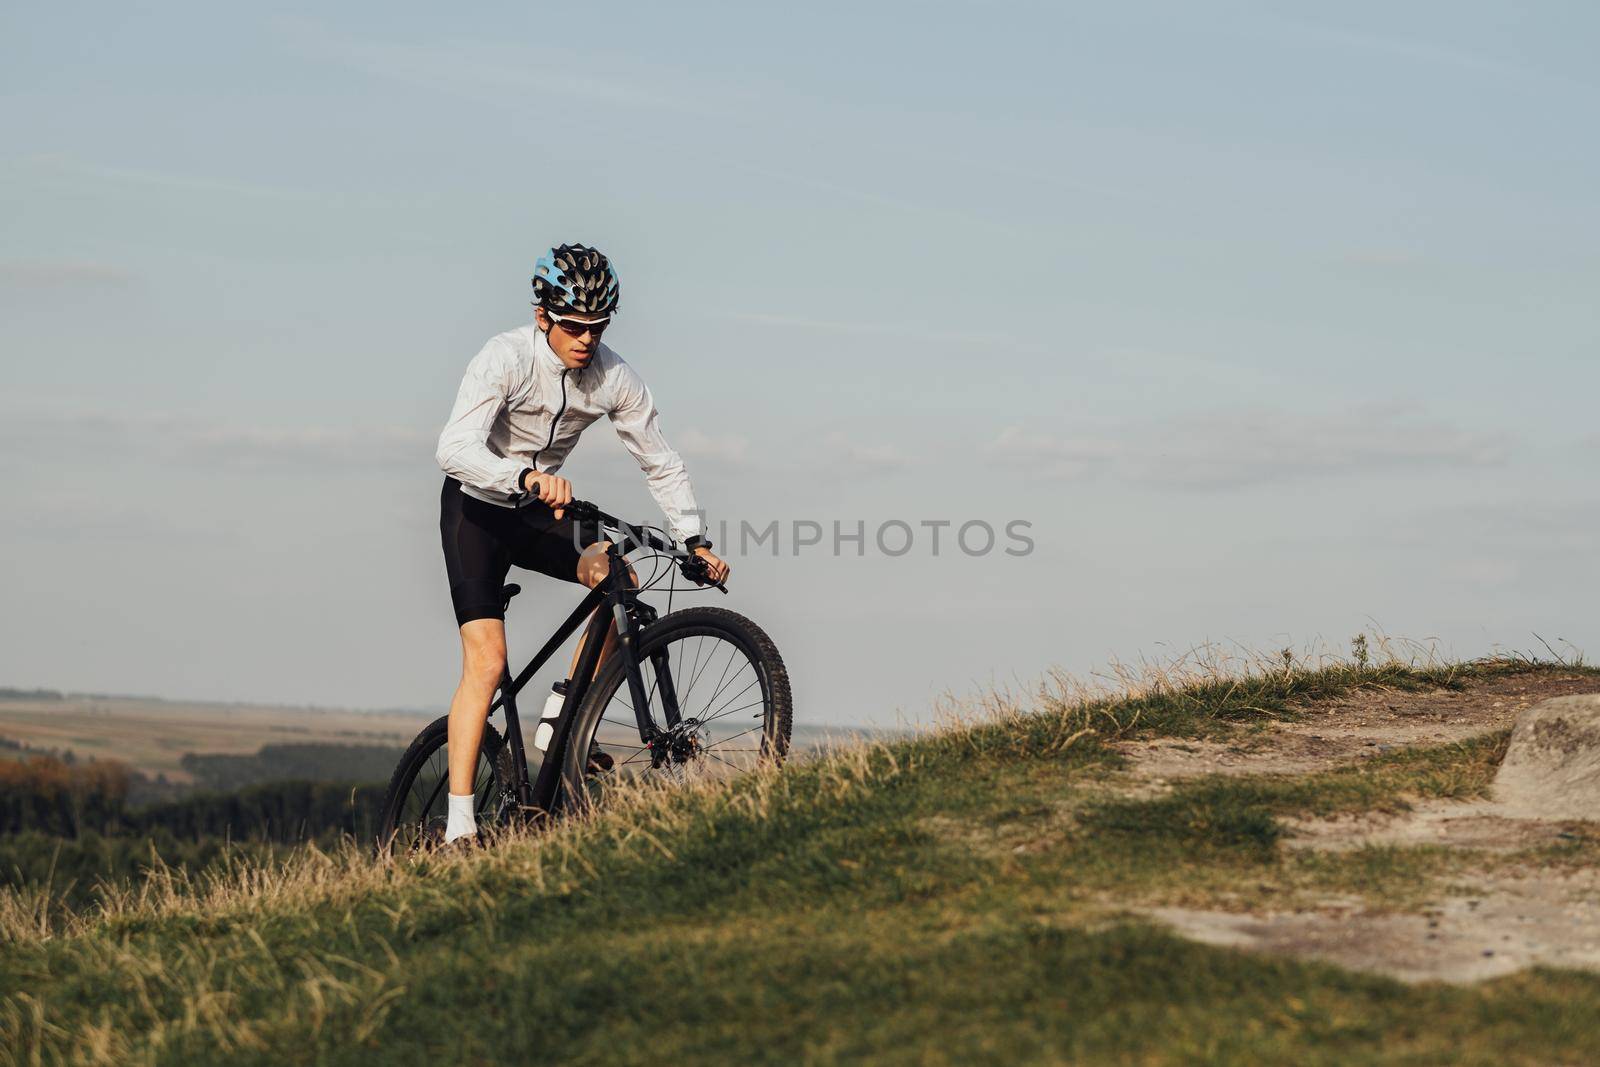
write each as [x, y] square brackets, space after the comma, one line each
[552, 712]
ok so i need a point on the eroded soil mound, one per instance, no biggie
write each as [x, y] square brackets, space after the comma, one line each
[1364, 723]
[1552, 766]
[1505, 907]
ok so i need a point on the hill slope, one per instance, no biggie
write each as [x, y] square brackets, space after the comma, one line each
[972, 895]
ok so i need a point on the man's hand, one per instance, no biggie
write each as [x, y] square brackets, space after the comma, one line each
[716, 570]
[553, 490]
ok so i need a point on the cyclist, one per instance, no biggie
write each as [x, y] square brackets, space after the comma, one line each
[523, 402]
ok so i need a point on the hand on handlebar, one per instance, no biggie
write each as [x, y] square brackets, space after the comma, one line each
[704, 568]
[716, 569]
[552, 489]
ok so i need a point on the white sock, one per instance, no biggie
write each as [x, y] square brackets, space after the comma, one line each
[462, 822]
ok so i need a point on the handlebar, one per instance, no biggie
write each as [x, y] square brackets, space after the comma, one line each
[638, 535]
[630, 537]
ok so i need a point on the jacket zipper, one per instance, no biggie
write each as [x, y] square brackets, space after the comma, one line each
[562, 410]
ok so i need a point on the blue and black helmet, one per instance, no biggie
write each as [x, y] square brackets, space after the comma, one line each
[576, 280]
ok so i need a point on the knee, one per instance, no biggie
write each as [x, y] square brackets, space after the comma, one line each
[483, 659]
[593, 566]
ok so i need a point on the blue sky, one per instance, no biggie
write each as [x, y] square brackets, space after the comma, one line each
[1276, 321]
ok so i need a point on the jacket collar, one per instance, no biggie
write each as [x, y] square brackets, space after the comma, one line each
[542, 352]
[546, 358]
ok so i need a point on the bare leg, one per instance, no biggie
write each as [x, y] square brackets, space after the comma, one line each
[483, 659]
[592, 570]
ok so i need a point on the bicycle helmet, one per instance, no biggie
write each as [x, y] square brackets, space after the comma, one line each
[575, 280]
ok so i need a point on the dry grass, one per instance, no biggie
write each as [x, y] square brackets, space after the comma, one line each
[1201, 690]
[639, 815]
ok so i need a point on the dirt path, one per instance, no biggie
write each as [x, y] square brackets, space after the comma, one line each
[1492, 928]
[1363, 724]
[1484, 926]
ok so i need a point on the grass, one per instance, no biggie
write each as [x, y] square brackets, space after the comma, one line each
[953, 898]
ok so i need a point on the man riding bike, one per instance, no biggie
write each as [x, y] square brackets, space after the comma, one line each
[523, 402]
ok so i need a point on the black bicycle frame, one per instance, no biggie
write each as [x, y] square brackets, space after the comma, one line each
[616, 592]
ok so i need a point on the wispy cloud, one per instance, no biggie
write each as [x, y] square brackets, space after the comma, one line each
[696, 444]
[60, 165]
[70, 516]
[497, 74]
[1414, 51]
[860, 455]
[1221, 449]
[897, 331]
[183, 438]
[62, 274]
[1383, 259]
[1054, 455]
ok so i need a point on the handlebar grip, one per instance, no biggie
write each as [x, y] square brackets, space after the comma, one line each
[694, 569]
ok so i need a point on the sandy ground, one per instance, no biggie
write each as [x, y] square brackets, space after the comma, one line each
[1487, 930]
[1363, 724]
[1491, 924]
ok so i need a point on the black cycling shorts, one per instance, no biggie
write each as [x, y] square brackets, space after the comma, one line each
[483, 540]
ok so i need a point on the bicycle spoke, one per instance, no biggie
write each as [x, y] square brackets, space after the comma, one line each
[734, 737]
[720, 713]
[693, 667]
[720, 678]
[700, 670]
[416, 783]
[436, 762]
[678, 674]
[735, 711]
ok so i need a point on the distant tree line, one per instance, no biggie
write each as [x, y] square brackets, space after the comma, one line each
[283, 762]
[73, 823]
[9, 693]
[58, 796]
[50, 796]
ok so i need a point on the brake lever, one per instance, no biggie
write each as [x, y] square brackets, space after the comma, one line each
[694, 568]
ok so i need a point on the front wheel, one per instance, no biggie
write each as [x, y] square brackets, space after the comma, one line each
[716, 700]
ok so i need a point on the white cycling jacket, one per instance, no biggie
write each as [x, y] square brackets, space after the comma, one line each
[519, 407]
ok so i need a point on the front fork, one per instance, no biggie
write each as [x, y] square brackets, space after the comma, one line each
[630, 615]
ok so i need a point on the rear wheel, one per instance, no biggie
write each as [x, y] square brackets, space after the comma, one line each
[733, 707]
[417, 806]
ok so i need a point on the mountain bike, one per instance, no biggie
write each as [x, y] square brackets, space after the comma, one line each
[696, 692]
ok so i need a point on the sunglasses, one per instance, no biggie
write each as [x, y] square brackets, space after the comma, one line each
[577, 327]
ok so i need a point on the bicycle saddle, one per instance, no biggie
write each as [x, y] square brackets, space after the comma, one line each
[506, 593]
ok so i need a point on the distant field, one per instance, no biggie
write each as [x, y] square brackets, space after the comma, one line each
[153, 735]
